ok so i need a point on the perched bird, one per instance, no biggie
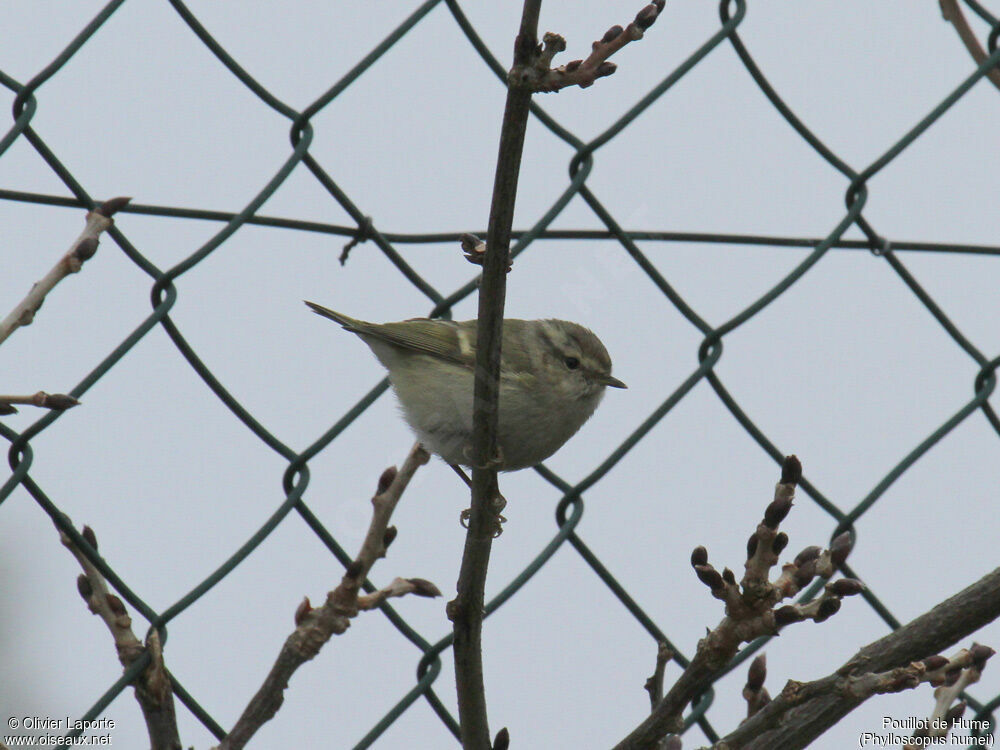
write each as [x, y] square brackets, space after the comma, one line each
[552, 376]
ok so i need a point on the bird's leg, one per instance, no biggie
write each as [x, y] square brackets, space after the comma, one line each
[495, 463]
[499, 502]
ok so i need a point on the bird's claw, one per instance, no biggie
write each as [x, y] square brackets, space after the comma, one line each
[499, 503]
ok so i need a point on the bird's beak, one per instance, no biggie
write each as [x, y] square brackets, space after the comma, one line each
[613, 382]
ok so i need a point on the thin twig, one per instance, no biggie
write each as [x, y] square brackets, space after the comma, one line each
[953, 13]
[654, 683]
[54, 401]
[152, 687]
[466, 610]
[314, 627]
[654, 686]
[962, 670]
[539, 76]
[82, 249]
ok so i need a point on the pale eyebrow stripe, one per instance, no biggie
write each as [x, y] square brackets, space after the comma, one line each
[548, 331]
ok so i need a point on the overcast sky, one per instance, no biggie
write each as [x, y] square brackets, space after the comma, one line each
[847, 369]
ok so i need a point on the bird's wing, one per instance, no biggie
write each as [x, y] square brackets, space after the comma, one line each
[454, 342]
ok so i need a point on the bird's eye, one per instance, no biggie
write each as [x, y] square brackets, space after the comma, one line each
[572, 362]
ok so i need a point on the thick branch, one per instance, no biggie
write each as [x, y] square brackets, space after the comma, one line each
[466, 611]
[152, 686]
[82, 249]
[804, 711]
[314, 627]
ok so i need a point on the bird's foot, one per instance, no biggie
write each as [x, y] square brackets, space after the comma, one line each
[499, 503]
[496, 463]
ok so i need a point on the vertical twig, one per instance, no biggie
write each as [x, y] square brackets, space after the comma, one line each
[466, 611]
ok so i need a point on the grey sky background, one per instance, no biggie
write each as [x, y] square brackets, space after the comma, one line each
[847, 369]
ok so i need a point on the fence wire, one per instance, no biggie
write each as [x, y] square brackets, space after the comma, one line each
[570, 508]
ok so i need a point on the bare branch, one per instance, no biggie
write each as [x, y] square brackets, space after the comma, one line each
[538, 75]
[82, 249]
[750, 608]
[953, 13]
[962, 670]
[899, 660]
[314, 627]
[466, 610]
[55, 401]
[152, 687]
[654, 684]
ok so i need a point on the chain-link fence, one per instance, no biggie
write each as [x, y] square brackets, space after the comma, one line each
[366, 230]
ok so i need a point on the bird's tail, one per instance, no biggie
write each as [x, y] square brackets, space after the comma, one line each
[355, 326]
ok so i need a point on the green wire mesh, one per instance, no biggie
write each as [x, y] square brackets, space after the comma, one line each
[570, 508]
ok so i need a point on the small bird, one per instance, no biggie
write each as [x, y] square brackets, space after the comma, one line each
[552, 376]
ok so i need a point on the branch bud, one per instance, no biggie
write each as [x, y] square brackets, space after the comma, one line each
[84, 587]
[423, 587]
[606, 68]
[956, 712]
[611, 34]
[845, 587]
[699, 556]
[709, 576]
[389, 536]
[779, 543]
[304, 608]
[980, 655]
[387, 478]
[502, 741]
[805, 573]
[791, 470]
[89, 536]
[776, 511]
[646, 17]
[840, 548]
[809, 553]
[934, 663]
[85, 249]
[827, 608]
[757, 673]
[787, 615]
[112, 206]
